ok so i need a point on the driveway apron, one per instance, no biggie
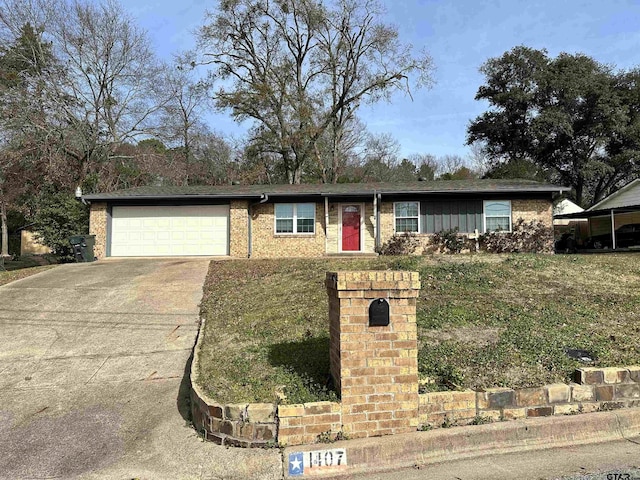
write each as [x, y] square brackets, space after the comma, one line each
[93, 380]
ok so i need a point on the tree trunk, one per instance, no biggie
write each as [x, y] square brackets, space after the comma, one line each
[187, 151]
[5, 231]
[579, 186]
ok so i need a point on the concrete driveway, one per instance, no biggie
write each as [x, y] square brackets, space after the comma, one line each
[92, 376]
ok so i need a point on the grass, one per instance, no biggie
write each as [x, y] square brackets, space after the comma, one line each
[483, 320]
[24, 266]
[13, 275]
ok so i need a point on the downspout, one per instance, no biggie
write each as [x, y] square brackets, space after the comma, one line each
[264, 198]
[326, 225]
[613, 228]
[375, 223]
[378, 242]
[248, 229]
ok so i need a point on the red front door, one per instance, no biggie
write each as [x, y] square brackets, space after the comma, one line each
[350, 228]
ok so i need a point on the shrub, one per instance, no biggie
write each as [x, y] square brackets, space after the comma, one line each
[525, 237]
[58, 216]
[404, 244]
[449, 241]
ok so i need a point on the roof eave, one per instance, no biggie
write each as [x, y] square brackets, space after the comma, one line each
[106, 198]
[597, 213]
[474, 191]
[613, 195]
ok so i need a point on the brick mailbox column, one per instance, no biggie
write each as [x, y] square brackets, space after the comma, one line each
[374, 367]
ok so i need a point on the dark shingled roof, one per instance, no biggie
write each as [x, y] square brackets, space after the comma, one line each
[340, 189]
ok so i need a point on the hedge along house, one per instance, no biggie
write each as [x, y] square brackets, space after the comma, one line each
[268, 221]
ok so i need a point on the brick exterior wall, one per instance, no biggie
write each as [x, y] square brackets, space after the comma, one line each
[238, 229]
[595, 389]
[333, 229]
[387, 221]
[266, 244]
[530, 210]
[375, 369]
[369, 228]
[98, 227]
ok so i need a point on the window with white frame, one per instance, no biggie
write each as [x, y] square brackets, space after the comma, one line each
[407, 216]
[497, 215]
[295, 217]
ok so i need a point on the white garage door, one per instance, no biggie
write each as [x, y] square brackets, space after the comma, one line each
[171, 230]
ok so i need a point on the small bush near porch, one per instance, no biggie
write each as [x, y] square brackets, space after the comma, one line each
[483, 321]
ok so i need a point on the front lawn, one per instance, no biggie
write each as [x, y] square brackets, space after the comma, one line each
[483, 320]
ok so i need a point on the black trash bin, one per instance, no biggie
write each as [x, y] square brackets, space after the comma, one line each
[83, 247]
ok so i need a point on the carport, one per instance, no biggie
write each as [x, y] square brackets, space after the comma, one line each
[615, 211]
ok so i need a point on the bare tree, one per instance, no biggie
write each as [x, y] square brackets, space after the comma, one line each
[478, 158]
[426, 165]
[182, 115]
[300, 70]
[111, 74]
[101, 91]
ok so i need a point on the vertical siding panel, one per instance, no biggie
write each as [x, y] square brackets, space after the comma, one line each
[455, 215]
[462, 215]
[446, 215]
[441, 215]
[437, 214]
[424, 227]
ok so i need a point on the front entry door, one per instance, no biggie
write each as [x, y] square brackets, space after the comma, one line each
[351, 228]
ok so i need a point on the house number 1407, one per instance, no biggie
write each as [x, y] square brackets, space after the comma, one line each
[327, 458]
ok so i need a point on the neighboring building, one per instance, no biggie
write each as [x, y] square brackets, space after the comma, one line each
[29, 245]
[262, 221]
[578, 228]
[562, 208]
[609, 215]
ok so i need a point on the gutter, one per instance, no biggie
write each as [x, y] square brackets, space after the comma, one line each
[361, 193]
[98, 198]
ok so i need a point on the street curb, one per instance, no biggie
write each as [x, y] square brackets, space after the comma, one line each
[371, 455]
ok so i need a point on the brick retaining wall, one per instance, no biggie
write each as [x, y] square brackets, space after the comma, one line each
[266, 424]
[307, 423]
[596, 389]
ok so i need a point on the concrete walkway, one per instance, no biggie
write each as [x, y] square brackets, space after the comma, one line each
[92, 376]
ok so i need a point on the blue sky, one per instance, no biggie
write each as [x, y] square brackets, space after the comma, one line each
[460, 35]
